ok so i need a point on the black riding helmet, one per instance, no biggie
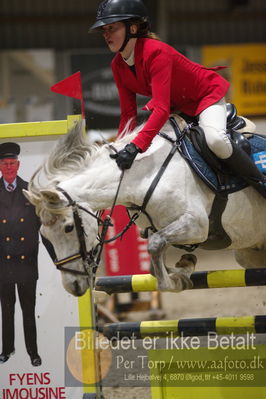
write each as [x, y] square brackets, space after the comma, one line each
[127, 11]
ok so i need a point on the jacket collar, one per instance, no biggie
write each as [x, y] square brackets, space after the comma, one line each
[20, 183]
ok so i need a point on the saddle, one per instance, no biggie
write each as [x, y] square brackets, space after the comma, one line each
[207, 165]
[234, 123]
[193, 147]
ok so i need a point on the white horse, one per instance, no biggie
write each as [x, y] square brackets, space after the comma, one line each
[179, 206]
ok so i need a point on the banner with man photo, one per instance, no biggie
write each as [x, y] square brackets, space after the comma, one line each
[35, 308]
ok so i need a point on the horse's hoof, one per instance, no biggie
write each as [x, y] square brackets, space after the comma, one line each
[189, 258]
[170, 286]
[186, 265]
[187, 283]
[182, 281]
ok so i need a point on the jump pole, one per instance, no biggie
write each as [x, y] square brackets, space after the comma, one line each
[201, 280]
[186, 327]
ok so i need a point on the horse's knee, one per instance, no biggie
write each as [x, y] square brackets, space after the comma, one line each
[156, 242]
[194, 229]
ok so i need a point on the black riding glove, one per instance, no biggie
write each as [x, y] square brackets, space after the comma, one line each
[125, 158]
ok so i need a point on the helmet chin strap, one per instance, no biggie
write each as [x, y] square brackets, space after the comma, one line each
[128, 36]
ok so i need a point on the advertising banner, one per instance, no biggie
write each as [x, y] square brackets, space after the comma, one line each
[246, 72]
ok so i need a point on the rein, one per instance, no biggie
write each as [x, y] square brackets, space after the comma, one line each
[175, 146]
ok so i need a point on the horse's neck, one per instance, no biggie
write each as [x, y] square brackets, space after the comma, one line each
[97, 185]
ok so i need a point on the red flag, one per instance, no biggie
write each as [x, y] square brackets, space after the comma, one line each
[71, 87]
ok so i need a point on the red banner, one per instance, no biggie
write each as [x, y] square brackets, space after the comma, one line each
[129, 255]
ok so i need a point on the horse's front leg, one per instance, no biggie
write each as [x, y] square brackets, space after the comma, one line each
[188, 229]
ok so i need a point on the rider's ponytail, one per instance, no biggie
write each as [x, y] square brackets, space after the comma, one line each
[153, 35]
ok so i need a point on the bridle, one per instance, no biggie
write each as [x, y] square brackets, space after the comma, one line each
[87, 257]
[91, 259]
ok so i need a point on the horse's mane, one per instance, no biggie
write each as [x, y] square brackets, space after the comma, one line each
[71, 155]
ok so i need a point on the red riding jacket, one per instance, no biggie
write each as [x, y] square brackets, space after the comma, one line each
[171, 80]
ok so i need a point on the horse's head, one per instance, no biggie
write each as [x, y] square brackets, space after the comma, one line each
[66, 225]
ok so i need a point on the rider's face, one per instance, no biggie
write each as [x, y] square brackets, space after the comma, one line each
[114, 35]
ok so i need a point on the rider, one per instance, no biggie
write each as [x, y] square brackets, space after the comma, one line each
[145, 65]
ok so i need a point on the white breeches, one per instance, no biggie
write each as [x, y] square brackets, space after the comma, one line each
[213, 122]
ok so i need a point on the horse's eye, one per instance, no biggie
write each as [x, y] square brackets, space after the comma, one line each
[69, 228]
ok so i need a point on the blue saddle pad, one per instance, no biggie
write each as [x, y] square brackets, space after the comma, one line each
[233, 183]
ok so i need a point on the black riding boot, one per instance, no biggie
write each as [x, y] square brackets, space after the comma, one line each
[241, 164]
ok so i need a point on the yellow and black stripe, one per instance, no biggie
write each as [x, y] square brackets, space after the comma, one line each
[205, 279]
[186, 327]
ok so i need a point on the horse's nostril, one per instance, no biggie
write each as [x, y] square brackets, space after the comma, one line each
[77, 289]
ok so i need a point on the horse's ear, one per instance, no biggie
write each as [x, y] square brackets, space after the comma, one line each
[33, 199]
[51, 196]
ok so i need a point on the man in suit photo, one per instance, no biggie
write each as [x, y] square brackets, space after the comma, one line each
[19, 243]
